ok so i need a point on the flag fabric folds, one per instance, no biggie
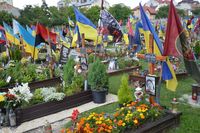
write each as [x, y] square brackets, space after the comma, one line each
[85, 26]
[76, 37]
[168, 73]
[43, 35]
[149, 29]
[110, 23]
[28, 40]
[10, 35]
[176, 43]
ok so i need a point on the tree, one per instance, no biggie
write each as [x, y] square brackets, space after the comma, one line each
[163, 12]
[196, 12]
[120, 12]
[6, 17]
[93, 14]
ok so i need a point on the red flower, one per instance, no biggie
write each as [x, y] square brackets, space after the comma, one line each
[75, 115]
[10, 96]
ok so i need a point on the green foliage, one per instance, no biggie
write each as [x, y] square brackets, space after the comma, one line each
[196, 12]
[6, 17]
[37, 97]
[76, 86]
[93, 14]
[163, 12]
[124, 92]
[91, 58]
[126, 62]
[120, 12]
[97, 75]
[68, 72]
[197, 48]
[3, 83]
[15, 53]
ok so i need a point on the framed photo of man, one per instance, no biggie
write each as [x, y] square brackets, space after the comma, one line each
[150, 85]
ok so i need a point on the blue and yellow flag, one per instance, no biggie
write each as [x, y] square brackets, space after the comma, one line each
[85, 26]
[28, 41]
[149, 29]
[76, 37]
[10, 35]
[32, 32]
[168, 73]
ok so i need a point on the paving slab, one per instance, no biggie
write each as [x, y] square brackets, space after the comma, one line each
[57, 120]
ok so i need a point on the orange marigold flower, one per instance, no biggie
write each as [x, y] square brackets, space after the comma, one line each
[116, 114]
[120, 122]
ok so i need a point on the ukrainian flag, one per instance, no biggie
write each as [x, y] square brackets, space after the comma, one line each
[32, 32]
[85, 26]
[76, 37]
[149, 29]
[168, 73]
[10, 35]
[28, 40]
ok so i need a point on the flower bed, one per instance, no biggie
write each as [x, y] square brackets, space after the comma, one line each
[37, 84]
[43, 109]
[134, 117]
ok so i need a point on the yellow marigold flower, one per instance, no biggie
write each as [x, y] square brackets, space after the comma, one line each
[101, 118]
[136, 121]
[2, 98]
[98, 122]
[142, 116]
[123, 124]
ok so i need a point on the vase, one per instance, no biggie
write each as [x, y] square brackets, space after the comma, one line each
[6, 118]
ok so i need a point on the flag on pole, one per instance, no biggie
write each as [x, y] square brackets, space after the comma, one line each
[43, 35]
[176, 43]
[28, 40]
[168, 73]
[110, 23]
[10, 35]
[85, 26]
[149, 29]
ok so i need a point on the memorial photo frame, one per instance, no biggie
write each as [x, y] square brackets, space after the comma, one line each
[150, 86]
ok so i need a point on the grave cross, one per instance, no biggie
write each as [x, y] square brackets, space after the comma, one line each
[151, 65]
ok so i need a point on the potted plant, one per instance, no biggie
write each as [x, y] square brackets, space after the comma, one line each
[125, 95]
[98, 80]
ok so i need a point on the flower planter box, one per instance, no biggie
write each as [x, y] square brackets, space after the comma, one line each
[37, 84]
[169, 121]
[43, 109]
[116, 72]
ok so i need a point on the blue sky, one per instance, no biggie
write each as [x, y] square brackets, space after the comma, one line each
[22, 3]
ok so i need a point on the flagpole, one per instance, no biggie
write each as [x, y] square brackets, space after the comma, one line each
[35, 43]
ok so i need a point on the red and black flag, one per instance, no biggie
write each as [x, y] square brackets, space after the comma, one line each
[110, 23]
[176, 43]
[43, 35]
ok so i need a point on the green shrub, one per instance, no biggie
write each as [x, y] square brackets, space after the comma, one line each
[125, 93]
[197, 48]
[68, 72]
[97, 75]
[126, 62]
[91, 58]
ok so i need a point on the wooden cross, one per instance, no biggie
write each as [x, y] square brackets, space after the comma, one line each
[151, 65]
